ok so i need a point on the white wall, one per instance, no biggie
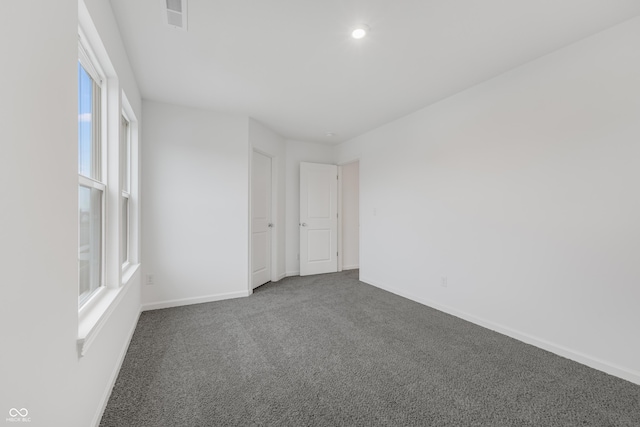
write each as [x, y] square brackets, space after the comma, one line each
[523, 191]
[350, 216]
[195, 206]
[299, 152]
[268, 142]
[40, 367]
[104, 20]
[38, 229]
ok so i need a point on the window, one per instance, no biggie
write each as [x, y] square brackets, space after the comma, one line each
[108, 186]
[125, 170]
[91, 183]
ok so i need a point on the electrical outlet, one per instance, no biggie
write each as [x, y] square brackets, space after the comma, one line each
[151, 279]
[443, 281]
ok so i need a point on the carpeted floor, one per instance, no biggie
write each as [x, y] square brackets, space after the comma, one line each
[329, 350]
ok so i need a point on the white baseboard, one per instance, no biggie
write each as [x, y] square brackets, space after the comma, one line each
[576, 356]
[280, 277]
[114, 374]
[350, 267]
[195, 300]
[292, 273]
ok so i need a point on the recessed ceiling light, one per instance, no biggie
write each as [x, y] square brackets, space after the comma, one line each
[330, 134]
[360, 31]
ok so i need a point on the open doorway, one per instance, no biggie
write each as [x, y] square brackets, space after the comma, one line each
[261, 219]
[349, 226]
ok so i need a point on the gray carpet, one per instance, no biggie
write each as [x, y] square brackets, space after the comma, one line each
[330, 350]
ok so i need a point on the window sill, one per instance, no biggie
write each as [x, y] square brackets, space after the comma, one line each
[95, 313]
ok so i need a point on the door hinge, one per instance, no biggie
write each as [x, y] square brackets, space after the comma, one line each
[336, 253]
[337, 177]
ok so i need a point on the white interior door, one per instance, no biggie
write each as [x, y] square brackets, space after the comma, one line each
[260, 219]
[318, 218]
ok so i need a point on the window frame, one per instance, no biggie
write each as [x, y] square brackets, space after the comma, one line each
[117, 282]
[98, 180]
[125, 191]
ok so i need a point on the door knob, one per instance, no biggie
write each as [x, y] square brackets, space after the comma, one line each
[270, 225]
[304, 224]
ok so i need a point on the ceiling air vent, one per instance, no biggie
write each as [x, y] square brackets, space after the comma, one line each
[176, 13]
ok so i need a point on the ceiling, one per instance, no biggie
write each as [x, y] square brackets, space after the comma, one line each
[293, 66]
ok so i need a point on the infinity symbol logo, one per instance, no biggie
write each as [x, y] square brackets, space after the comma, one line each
[13, 412]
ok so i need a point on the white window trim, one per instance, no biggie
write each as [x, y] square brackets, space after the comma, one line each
[83, 181]
[126, 186]
[125, 116]
[102, 303]
[92, 309]
[133, 260]
[91, 183]
[127, 262]
[95, 313]
[87, 59]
